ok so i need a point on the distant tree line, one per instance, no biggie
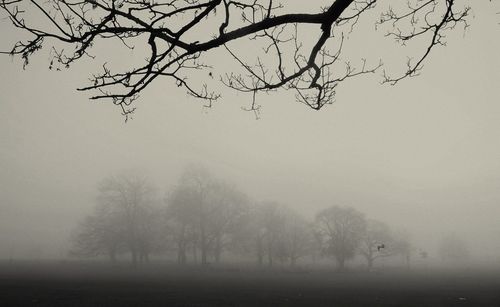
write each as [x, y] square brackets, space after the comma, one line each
[202, 218]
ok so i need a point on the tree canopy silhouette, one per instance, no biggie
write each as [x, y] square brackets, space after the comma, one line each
[302, 52]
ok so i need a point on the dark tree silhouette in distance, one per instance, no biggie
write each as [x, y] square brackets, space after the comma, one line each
[342, 230]
[171, 32]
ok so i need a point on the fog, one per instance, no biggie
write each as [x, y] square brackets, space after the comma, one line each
[421, 156]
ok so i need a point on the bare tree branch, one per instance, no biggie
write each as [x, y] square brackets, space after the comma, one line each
[171, 29]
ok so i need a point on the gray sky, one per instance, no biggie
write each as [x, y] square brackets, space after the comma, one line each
[423, 155]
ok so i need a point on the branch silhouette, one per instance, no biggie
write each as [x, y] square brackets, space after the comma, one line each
[170, 30]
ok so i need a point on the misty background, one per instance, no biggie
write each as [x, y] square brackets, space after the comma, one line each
[423, 155]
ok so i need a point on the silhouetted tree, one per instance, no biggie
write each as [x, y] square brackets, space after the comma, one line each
[205, 213]
[295, 239]
[150, 232]
[341, 229]
[171, 33]
[228, 206]
[377, 242]
[199, 182]
[101, 233]
[262, 233]
[402, 246]
[249, 236]
[272, 228]
[182, 220]
[129, 197]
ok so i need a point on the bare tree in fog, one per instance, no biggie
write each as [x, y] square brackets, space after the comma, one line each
[199, 181]
[377, 242]
[263, 233]
[272, 225]
[205, 212]
[402, 246]
[297, 237]
[228, 208]
[205, 216]
[182, 220]
[453, 249]
[171, 33]
[99, 234]
[249, 236]
[130, 198]
[150, 234]
[342, 230]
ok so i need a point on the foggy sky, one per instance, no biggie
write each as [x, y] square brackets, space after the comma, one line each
[423, 155]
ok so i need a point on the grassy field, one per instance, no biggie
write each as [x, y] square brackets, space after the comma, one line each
[64, 284]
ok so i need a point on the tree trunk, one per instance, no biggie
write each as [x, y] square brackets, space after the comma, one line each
[181, 252]
[270, 253]
[218, 249]
[260, 252]
[181, 246]
[195, 253]
[203, 254]
[203, 245]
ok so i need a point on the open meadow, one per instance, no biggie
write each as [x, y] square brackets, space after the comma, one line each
[30, 284]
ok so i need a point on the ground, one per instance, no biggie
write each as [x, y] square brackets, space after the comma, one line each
[94, 284]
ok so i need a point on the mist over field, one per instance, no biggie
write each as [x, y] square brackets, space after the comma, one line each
[391, 189]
